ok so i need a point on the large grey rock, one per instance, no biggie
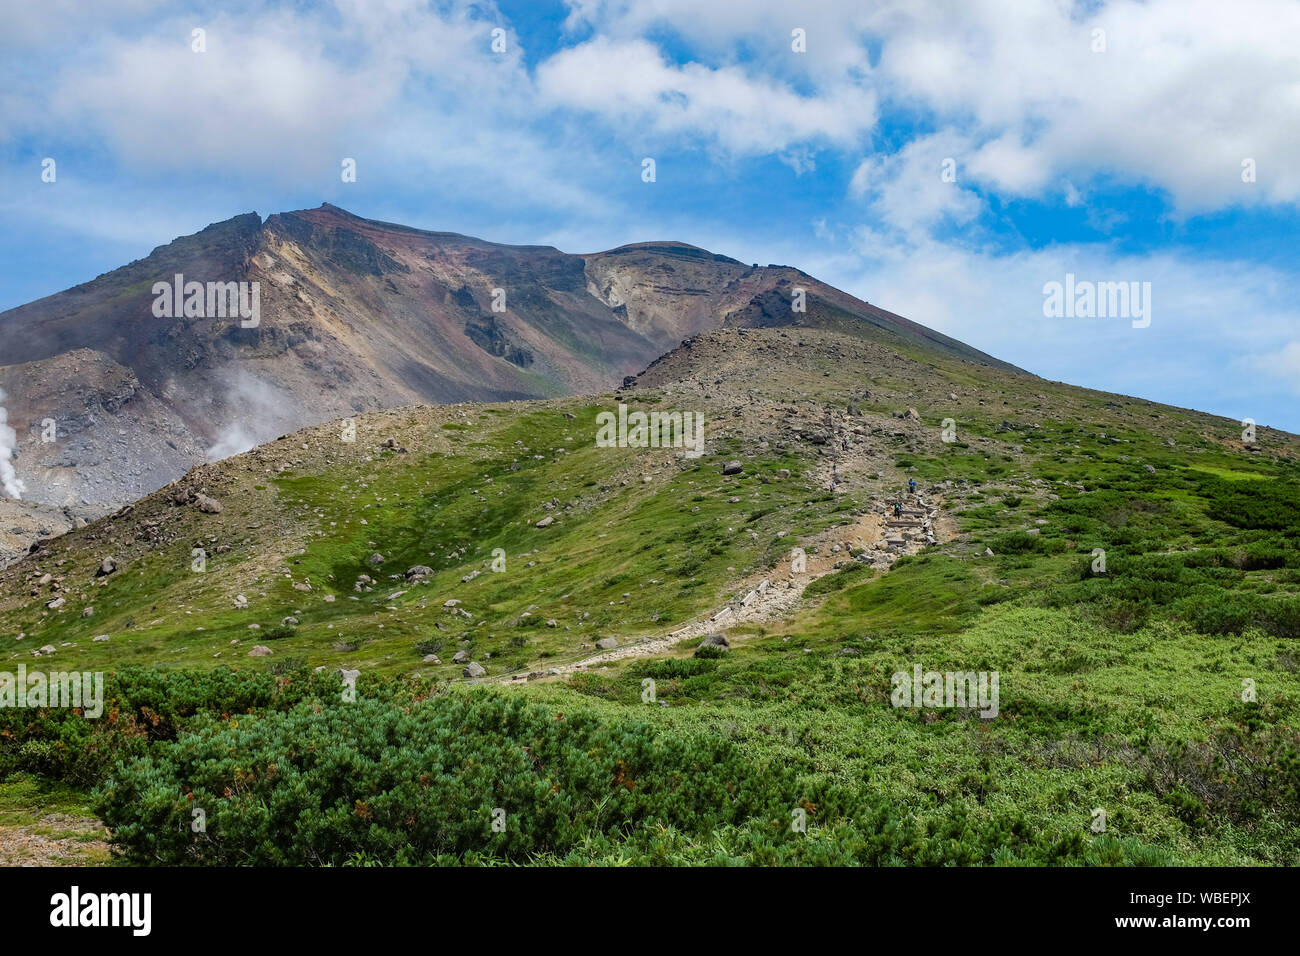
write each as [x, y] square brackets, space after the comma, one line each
[473, 669]
[732, 468]
[418, 572]
[208, 505]
[260, 650]
[715, 640]
[607, 643]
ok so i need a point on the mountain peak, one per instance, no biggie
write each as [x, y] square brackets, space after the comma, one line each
[356, 315]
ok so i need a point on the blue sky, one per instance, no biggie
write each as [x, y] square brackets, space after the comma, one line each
[1115, 156]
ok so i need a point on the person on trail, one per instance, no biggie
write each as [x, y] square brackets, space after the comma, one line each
[898, 510]
[911, 485]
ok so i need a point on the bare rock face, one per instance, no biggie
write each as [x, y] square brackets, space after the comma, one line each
[91, 436]
[25, 524]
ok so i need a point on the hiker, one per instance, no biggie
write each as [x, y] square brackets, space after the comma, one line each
[911, 485]
[898, 510]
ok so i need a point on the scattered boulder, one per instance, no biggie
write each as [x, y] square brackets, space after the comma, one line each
[546, 522]
[715, 640]
[57, 603]
[419, 572]
[473, 669]
[241, 602]
[607, 643]
[375, 559]
[460, 657]
[289, 621]
[208, 505]
[107, 566]
[260, 650]
[732, 468]
[100, 639]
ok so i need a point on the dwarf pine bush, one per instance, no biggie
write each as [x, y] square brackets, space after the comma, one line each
[449, 775]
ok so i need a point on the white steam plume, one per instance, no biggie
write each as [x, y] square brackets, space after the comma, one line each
[9, 480]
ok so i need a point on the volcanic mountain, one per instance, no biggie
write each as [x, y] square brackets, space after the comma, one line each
[111, 401]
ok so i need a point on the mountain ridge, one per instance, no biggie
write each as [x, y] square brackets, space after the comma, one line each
[358, 315]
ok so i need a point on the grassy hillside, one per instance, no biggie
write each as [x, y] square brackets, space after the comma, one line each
[1159, 688]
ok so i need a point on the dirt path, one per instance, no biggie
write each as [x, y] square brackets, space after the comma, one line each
[775, 594]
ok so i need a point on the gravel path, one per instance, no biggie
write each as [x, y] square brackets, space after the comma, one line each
[774, 597]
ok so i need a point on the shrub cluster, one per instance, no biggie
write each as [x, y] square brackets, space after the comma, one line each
[420, 784]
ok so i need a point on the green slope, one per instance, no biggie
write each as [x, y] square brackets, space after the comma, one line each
[1163, 691]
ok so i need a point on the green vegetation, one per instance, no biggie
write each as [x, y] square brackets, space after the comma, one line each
[1141, 608]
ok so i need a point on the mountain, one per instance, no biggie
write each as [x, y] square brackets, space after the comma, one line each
[354, 316]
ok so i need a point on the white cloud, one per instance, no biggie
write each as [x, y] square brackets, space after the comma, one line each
[1282, 364]
[637, 89]
[1185, 90]
[908, 191]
